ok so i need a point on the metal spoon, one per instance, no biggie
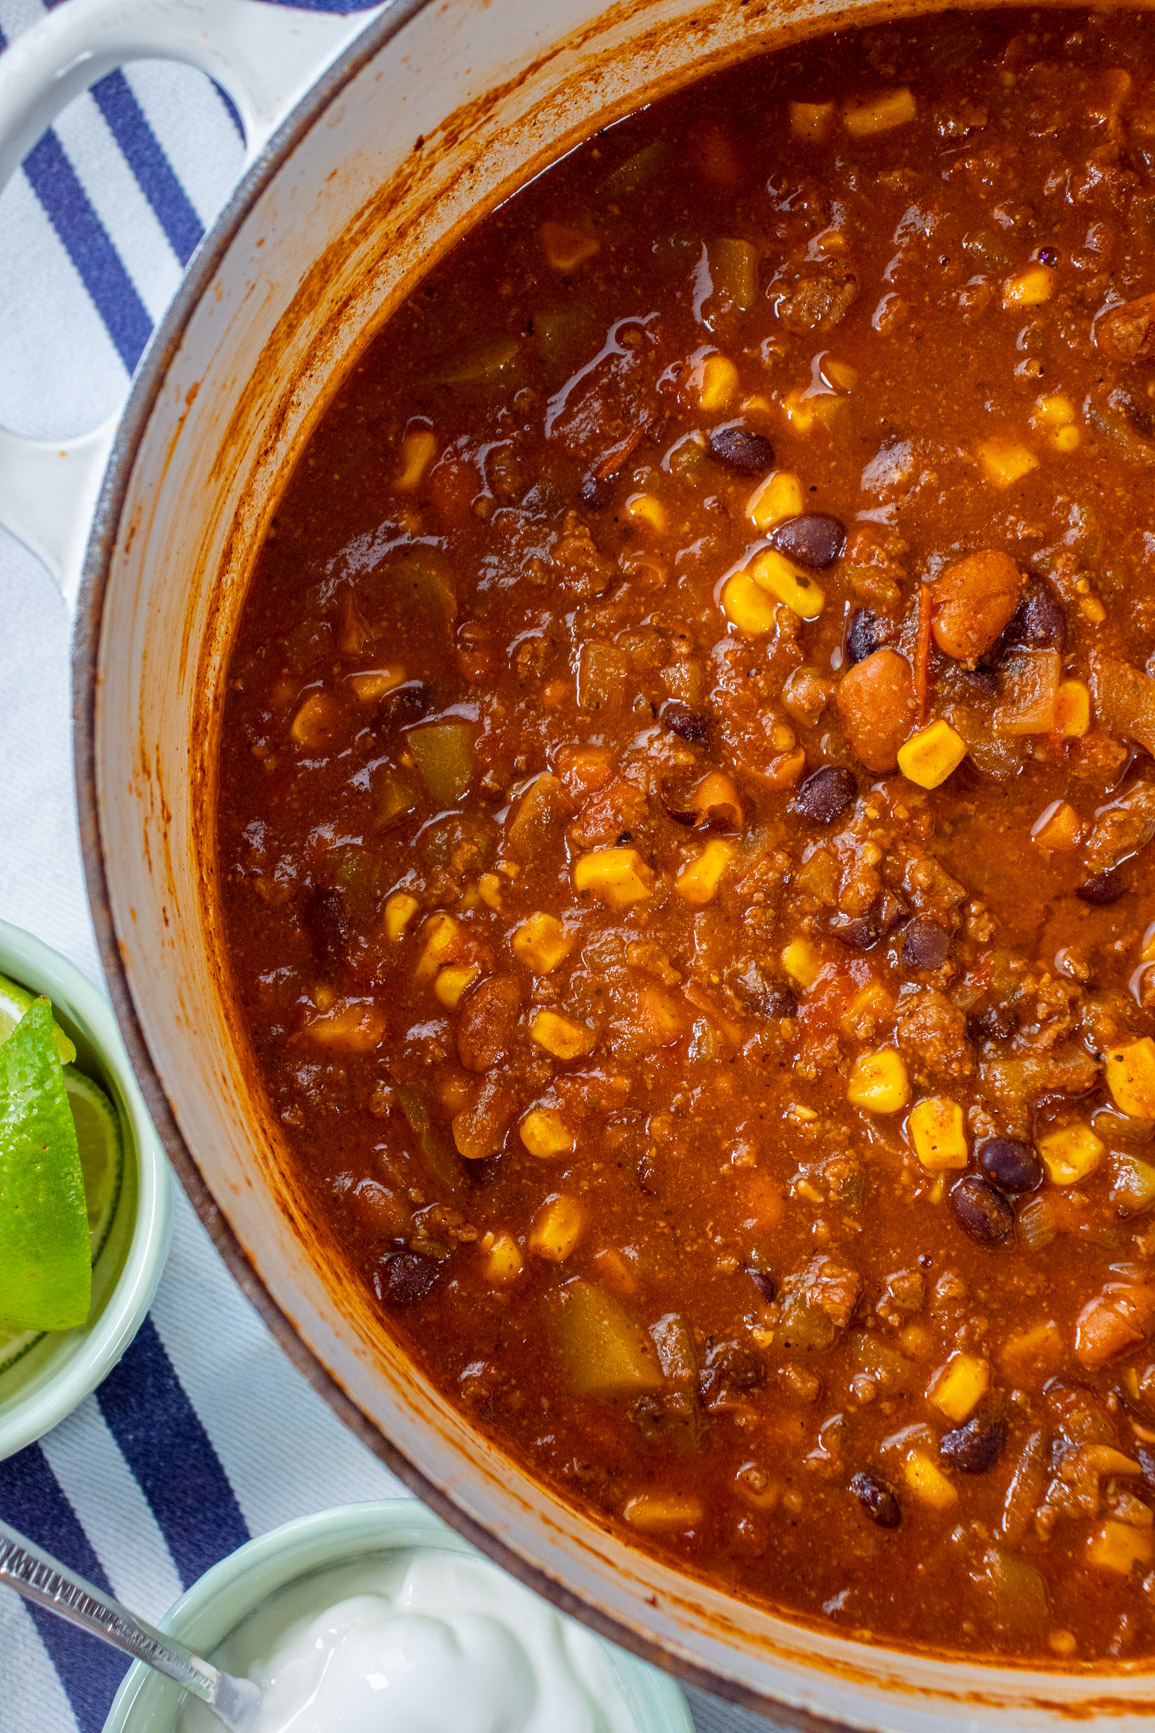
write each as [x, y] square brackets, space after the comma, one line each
[39, 1577]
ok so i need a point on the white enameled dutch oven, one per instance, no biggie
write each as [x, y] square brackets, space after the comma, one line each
[373, 141]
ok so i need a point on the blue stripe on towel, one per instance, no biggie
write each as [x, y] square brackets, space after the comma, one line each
[66, 204]
[172, 1457]
[126, 119]
[31, 1500]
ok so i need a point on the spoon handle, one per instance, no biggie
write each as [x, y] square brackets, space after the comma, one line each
[40, 1578]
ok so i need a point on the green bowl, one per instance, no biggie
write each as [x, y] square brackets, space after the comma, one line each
[224, 1596]
[54, 1375]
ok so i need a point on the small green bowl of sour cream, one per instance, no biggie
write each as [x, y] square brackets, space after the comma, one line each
[386, 1591]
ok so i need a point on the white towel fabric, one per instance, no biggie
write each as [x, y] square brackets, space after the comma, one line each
[205, 1434]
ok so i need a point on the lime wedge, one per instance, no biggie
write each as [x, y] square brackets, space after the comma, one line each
[45, 1266]
[101, 1153]
[14, 1001]
[101, 1150]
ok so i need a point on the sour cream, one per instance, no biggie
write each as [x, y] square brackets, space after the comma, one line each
[419, 1641]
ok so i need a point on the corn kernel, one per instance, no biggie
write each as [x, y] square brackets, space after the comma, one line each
[958, 1387]
[557, 1227]
[619, 876]
[927, 1482]
[1030, 288]
[937, 1133]
[931, 754]
[451, 983]
[1118, 1546]
[1067, 439]
[502, 1257]
[879, 1082]
[490, 887]
[417, 450]
[1005, 461]
[542, 943]
[655, 1512]
[1072, 709]
[1147, 954]
[747, 606]
[801, 962]
[374, 683]
[1092, 610]
[719, 383]
[782, 580]
[1053, 412]
[560, 1035]
[774, 500]
[645, 509]
[810, 120]
[864, 115]
[315, 722]
[544, 1133]
[1131, 1078]
[799, 410]
[1071, 1154]
[698, 882]
[838, 373]
[1058, 826]
[400, 909]
[441, 935]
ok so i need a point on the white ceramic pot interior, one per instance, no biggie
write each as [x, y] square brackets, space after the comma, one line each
[343, 227]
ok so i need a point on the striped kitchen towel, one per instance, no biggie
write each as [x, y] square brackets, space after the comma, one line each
[204, 1435]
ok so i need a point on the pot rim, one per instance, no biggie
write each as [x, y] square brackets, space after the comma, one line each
[147, 383]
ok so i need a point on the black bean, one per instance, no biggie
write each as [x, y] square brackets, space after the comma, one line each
[409, 703]
[1039, 620]
[1145, 1457]
[739, 449]
[768, 998]
[981, 1210]
[990, 1022]
[924, 945]
[596, 492]
[1102, 890]
[687, 724]
[978, 684]
[1011, 1165]
[403, 1278]
[861, 638]
[810, 540]
[826, 795]
[975, 1447]
[328, 925]
[765, 1284]
[858, 932]
[876, 1499]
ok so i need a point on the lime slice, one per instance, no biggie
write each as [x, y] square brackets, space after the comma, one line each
[101, 1146]
[14, 1001]
[101, 1153]
[45, 1267]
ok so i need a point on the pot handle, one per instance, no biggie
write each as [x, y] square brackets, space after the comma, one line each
[265, 56]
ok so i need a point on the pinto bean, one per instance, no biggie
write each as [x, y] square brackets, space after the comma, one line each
[1127, 333]
[876, 702]
[972, 602]
[487, 1022]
